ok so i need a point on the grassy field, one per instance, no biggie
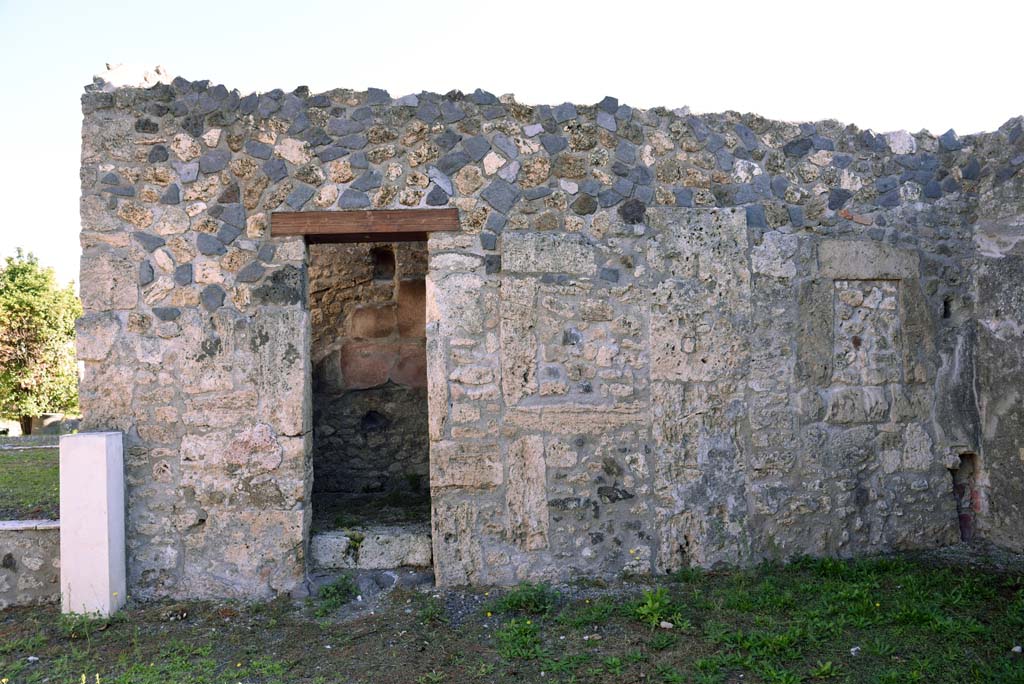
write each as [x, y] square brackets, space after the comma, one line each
[29, 483]
[886, 620]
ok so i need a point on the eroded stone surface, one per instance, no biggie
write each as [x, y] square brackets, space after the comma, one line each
[29, 563]
[659, 340]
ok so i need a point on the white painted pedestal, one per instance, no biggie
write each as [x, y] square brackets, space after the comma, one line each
[92, 544]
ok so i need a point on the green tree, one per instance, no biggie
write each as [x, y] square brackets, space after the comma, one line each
[38, 373]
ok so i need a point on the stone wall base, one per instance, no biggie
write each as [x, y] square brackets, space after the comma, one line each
[29, 562]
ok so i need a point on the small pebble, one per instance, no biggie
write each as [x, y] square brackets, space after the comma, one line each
[855, 651]
[1016, 649]
[35, 659]
[665, 624]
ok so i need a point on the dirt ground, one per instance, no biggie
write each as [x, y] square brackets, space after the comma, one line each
[909, 619]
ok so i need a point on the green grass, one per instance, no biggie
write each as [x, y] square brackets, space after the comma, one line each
[533, 599]
[910, 622]
[336, 594]
[519, 639]
[29, 483]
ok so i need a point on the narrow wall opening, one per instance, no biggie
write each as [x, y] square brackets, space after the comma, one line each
[968, 494]
[370, 440]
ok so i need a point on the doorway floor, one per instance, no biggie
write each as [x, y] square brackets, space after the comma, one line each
[370, 531]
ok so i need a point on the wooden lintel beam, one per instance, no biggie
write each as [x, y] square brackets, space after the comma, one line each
[381, 225]
[335, 238]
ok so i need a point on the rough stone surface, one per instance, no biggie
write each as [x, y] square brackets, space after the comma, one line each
[29, 563]
[380, 547]
[807, 327]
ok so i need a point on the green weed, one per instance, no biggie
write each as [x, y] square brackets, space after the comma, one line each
[519, 639]
[534, 599]
[336, 594]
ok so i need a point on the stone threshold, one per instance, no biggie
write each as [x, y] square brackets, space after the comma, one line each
[372, 547]
[27, 525]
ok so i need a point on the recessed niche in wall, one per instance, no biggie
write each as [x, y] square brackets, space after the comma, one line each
[383, 263]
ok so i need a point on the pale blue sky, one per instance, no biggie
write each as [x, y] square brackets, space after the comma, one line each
[883, 65]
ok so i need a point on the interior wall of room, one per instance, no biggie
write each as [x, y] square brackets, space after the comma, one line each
[369, 367]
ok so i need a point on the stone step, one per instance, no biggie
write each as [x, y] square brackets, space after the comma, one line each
[372, 547]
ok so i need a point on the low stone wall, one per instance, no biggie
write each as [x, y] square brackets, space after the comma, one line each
[29, 562]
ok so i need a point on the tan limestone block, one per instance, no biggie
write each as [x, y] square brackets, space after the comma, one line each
[526, 493]
[465, 464]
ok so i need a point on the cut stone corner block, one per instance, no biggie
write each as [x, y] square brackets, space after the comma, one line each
[92, 511]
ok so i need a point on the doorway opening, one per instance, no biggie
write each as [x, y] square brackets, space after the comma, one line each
[968, 494]
[371, 477]
[370, 443]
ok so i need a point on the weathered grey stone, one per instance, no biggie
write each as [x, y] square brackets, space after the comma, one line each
[214, 161]
[501, 195]
[564, 112]
[148, 242]
[476, 147]
[145, 273]
[172, 195]
[442, 181]
[275, 169]
[250, 273]
[437, 197]
[553, 144]
[212, 297]
[367, 181]
[450, 163]
[183, 274]
[301, 194]
[353, 199]
[166, 313]
[209, 245]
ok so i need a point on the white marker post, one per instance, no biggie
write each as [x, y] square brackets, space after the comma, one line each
[92, 544]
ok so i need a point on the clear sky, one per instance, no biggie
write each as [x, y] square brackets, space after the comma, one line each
[881, 65]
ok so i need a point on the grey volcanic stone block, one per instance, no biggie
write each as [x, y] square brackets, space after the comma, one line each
[214, 161]
[353, 199]
[501, 195]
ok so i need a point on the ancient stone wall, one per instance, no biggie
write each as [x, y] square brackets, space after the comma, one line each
[29, 562]
[997, 491]
[369, 367]
[658, 340]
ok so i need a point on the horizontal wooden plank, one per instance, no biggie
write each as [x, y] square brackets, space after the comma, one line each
[336, 238]
[382, 225]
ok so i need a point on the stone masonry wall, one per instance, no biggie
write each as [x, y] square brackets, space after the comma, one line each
[29, 562]
[998, 492]
[658, 340]
[369, 367]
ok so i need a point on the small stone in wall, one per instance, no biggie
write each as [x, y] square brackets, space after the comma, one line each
[212, 297]
[135, 214]
[293, 150]
[632, 211]
[468, 180]
[185, 147]
[326, 196]
[492, 162]
[437, 197]
[410, 197]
